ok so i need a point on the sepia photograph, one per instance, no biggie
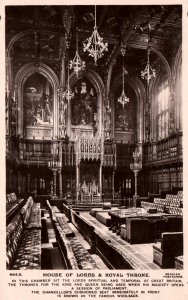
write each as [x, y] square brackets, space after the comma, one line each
[94, 160]
[94, 149]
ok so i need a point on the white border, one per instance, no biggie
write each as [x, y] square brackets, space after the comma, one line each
[21, 293]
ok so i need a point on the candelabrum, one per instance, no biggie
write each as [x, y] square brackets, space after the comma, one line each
[148, 73]
[94, 44]
[77, 64]
[55, 166]
[68, 94]
[123, 99]
[136, 166]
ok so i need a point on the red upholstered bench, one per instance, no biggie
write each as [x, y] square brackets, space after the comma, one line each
[23, 238]
[65, 226]
[77, 256]
[84, 259]
[13, 205]
[66, 247]
[23, 246]
[29, 252]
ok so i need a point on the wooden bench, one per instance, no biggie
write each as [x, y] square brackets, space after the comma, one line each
[104, 218]
[164, 252]
[179, 262]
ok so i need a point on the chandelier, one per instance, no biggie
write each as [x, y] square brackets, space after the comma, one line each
[148, 73]
[123, 98]
[77, 64]
[95, 45]
[68, 94]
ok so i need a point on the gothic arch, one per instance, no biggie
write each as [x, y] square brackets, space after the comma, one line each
[152, 92]
[139, 89]
[16, 38]
[117, 51]
[97, 82]
[178, 60]
[177, 78]
[22, 75]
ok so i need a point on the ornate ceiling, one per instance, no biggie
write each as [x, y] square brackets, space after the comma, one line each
[47, 28]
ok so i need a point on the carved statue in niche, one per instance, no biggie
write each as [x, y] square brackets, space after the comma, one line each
[62, 132]
[107, 122]
[37, 102]
[38, 115]
[107, 125]
[83, 104]
[62, 111]
[47, 109]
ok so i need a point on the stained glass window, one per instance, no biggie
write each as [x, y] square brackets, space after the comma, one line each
[163, 110]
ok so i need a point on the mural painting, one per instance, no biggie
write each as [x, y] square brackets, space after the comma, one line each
[84, 103]
[37, 101]
[125, 117]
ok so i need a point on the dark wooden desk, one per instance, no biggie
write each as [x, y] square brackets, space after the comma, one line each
[119, 217]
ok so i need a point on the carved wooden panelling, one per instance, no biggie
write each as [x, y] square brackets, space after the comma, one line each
[38, 132]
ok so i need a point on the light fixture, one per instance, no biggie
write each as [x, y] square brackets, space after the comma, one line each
[148, 73]
[68, 94]
[95, 45]
[77, 64]
[123, 98]
[136, 167]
